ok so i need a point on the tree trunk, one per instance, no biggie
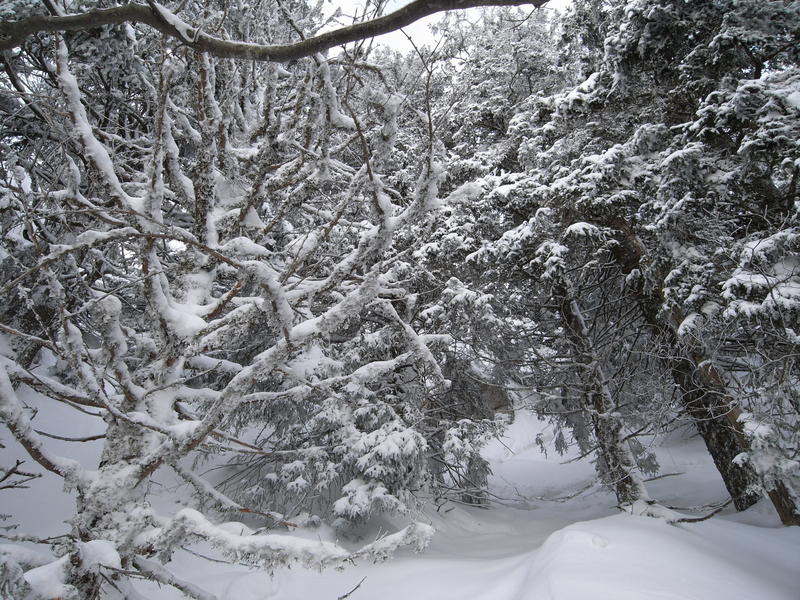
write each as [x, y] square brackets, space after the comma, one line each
[620, 463]
[703, 392]
[708, 410]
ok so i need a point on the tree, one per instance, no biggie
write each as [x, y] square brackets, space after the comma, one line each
[209, 255]
[160, 18]
[306, 270]
[625, 153]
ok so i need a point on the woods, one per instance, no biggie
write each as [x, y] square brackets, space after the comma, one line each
[305, 282]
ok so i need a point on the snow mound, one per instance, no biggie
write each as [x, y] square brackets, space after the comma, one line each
[633, 558]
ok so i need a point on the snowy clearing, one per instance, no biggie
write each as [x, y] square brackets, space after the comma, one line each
[523, 548]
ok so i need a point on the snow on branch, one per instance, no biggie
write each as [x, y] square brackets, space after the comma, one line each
[96, 151]
[14, 33]
[19, 425]
[155, 571]
[274, 550]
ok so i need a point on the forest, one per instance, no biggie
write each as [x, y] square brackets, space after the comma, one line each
[273, 293]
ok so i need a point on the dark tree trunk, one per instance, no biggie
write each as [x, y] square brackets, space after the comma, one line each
[621, 470]
[707, 410]
[703, 392]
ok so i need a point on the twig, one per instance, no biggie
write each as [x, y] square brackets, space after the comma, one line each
[88, 438]
[699, 519]
[347, 595]
[664, 475]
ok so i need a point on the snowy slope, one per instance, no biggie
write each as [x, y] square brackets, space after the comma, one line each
[529, 549]
[528, 546]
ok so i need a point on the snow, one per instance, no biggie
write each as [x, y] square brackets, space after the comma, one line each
[243, 246]
[48, 580]
[337, 118]
[186, 31]
[312, 363]
[497, 555]
[253, 221]
[505, 190]
[529, 549]
[266, 549]
[94, 149]
[16, 558]
[582, 230]
[630, 558]
[534, 543]
[96, 554]
[690, 324]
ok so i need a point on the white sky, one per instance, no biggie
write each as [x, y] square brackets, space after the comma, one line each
[418, 31]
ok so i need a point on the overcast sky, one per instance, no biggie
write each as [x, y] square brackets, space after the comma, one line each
[418, 31]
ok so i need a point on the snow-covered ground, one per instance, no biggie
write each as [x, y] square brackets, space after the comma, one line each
[528, 546]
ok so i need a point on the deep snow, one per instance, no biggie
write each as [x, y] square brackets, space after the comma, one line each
[527, 546]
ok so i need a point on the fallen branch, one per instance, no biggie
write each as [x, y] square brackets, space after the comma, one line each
[699, 519]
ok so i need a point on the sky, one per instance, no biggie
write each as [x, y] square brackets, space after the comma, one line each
[417, 31]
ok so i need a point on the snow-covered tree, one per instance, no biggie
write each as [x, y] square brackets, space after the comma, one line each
[214, 257]
[297, 282]
[678, 148]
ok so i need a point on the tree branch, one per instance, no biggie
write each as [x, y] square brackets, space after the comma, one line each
[14, 33]
[153, 570]
[19, 425]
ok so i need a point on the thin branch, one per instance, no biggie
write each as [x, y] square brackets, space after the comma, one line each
[152, 570]
[14, 33]
[348, 594]
[88, 438]
[23, 477]
[703, 518]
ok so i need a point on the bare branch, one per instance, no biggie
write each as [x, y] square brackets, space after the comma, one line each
[14, 33]
[153, 570]
[22, 477]
[19, 425]
[348, 594]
